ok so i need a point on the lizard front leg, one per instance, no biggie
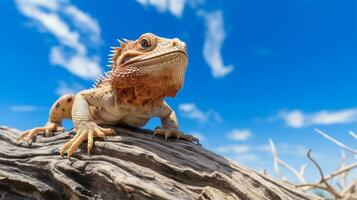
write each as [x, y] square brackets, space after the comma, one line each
[170, 124]
[60, 110]
[84, 125]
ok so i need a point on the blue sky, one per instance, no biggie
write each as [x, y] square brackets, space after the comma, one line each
[257, 69]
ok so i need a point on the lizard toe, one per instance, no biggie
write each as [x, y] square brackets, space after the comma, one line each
[179, 135]
[85, 131]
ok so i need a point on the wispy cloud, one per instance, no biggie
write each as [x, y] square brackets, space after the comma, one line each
[240, 153]
[284, 149]
[175, 7]
[215, 35]
[191, 111]
[73, 30]
[65, 88]
[239, 135]
[298, 119]
[247, 158]
[238, 148]
[23, 108]
[260, 154]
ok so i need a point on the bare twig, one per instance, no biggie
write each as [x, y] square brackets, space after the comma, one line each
[342, 180]
[320, 185]
[275, 157]
[349, 188]
[293, 170]
[277, 161]
[341, 171]
[354, 135]
[323, 180]
[338, 143]
[311, 186]
[335, 183]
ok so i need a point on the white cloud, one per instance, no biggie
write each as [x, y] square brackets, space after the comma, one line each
[247, 159]
[215, 36]
[258, 156]
[72, 28]
[75, 63]
[292, 149]
[191, 111]
[23, 108]
[234, 149]
[293, 118]
[298, 119]
[175, 7]
[239, 135]
[84, 22]
[284, 149]
[65, 88]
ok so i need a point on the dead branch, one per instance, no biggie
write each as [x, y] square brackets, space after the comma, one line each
[341, 171]
[338, 143]
[354, 135]
[277, 161]
[349, 190]
[323, 180]
[129, 165]
[340, 189]
[342, 181]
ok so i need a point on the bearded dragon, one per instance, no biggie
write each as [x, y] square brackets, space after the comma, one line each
[143, 72]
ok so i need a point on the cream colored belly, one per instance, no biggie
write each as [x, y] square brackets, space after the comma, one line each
[128, 115]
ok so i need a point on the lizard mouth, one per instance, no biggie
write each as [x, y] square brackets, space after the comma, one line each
[130, 61]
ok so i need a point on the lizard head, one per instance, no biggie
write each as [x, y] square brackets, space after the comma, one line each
[150, 62]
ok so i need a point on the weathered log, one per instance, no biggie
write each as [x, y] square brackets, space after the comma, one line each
[130, 165]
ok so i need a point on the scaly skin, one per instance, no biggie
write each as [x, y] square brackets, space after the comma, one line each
[143, 73]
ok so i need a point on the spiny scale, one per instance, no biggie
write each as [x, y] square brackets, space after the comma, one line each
[121, 42]
[100, 79]
[104, 76]
[113, 52]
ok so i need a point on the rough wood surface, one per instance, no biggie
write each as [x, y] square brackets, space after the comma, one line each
[130, 165]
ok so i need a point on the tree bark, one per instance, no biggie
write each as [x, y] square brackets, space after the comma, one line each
[130, 165]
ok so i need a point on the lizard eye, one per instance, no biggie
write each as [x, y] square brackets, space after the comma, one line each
[145, 43]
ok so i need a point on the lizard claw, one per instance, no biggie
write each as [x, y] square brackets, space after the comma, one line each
[85, 131]
[47, 130]
[172, 132]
